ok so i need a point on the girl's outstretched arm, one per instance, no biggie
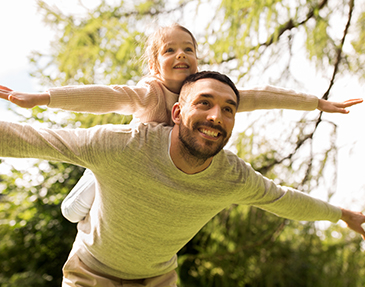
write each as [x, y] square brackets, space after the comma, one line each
[271, 97]
[24, 100]
[4, 92]
[147, 100]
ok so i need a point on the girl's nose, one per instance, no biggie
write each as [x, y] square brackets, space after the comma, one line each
[181, 55]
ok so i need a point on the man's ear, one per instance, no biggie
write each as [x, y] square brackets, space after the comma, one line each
[176, 113]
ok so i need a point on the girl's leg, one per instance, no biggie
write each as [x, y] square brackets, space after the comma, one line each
[78, 202]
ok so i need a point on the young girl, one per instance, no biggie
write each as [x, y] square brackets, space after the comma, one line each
[171, 56]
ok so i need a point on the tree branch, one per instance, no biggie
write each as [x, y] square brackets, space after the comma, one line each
[301, 141]
[290, 24]
[339, 50]
[150, 12]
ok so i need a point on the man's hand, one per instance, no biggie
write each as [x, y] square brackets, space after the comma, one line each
[24, 100]
[334, 107]
[354, 220]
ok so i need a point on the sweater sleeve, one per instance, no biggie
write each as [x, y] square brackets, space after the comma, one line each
[24, 141]
[283, 201]
[297, 205]
[84, 147]
[101, 99]
[271, 97]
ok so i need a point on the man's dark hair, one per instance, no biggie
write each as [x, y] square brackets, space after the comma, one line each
[212, 75]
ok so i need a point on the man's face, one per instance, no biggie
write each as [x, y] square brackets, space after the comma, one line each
[207, 117]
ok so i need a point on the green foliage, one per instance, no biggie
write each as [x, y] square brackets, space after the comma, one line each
[224, 253]
[358, 45]
[249, 247]
[245, 35]
[242, 246]
[35, 237]
[317, 39]
[100, 48]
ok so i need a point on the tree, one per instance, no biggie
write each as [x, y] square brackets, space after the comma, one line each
[247, 40]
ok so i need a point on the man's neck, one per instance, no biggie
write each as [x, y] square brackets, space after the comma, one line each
[182, 159]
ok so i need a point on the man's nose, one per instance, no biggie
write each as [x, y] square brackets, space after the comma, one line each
[215, 115]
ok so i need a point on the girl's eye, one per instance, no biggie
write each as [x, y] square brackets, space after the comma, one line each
[189, 49]
[168, 50]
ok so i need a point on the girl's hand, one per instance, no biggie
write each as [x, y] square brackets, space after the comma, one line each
[4, 92]
[334, 107]
[24, 100]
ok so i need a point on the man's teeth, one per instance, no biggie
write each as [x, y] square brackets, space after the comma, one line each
[210, 133]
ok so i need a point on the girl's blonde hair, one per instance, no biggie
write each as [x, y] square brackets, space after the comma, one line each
[155, 42]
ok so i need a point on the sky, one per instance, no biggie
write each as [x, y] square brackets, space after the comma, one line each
[22, 31]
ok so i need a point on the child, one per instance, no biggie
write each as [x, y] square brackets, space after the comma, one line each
[171, 56]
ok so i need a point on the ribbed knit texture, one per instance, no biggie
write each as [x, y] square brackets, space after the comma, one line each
[145, 209]
[151, 101]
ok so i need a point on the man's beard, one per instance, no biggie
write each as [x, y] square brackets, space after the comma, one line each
[196, 150]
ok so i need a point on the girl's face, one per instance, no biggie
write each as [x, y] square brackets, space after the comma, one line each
[176, 59]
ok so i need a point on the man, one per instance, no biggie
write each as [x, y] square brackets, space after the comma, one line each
[158, 186]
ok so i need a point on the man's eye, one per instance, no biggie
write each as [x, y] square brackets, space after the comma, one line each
[228, 109]
[204, 104]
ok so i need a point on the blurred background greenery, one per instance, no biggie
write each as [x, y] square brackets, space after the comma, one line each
[251, 41]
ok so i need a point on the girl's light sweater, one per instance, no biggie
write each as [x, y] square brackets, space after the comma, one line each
[151, 101]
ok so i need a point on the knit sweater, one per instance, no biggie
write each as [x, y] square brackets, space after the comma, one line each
[151, 101]
[146, 209]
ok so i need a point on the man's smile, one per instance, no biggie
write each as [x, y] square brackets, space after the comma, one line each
[209, 133]
[210, 130]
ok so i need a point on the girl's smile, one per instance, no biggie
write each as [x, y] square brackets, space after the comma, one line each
[176, 59]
